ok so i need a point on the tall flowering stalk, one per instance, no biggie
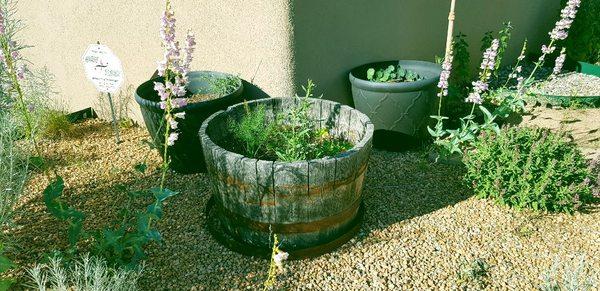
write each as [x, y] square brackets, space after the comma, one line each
[174, 68]
[443, 84]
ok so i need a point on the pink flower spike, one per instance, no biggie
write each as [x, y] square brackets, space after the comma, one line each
[560, 60]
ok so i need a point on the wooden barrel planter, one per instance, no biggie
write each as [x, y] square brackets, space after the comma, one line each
[313, 206]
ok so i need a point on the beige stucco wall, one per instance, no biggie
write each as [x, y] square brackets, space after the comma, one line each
[290, 39]
[233, 36]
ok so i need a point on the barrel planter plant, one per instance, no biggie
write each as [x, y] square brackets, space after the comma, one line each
[312, 205]
[393, 102]
[207, 93]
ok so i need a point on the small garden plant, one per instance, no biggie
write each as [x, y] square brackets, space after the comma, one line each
[529, 168]
[392, 74]
[291, 136]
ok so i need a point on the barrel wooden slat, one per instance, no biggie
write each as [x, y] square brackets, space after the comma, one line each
[264, 182]
[321, 183]
[345, 119]
[291, 191]
[330, 116]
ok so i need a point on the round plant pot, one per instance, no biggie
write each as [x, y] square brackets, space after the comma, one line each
[186, 154]
[313, 206]
[402, 107]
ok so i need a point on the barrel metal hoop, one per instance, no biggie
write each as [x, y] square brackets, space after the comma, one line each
[289, 228]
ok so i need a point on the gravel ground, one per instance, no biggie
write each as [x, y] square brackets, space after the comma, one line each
[570, 84]
[422, 227]
[582, 124]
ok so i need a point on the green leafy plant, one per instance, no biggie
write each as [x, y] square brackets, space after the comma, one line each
[475, 273]
[122, 244]
[529, 168]
[503, 36]
[224, 86]
[55, 125]
[290, 136]
[392, 74]
[5, 265]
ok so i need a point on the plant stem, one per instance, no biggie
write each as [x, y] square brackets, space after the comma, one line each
[22, 107]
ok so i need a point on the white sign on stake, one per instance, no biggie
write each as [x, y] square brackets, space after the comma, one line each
[103, 68]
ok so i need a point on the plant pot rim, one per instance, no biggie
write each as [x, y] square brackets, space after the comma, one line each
[190, 106]
[362, 143]
[432, 69]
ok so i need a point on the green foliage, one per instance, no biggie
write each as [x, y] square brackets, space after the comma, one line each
[13, 166]
[475, 274]
[529, 168]
[253, 130]
[224, 86]
[460, 78]
[392, 74]
[85, 273]
[583, 43]
[291, 136]
[59, 209]
[5, 265]
[121, 245]
[56, 125]
[455, 141]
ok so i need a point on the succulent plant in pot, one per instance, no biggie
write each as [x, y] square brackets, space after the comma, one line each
[396, 95]
[198, 95]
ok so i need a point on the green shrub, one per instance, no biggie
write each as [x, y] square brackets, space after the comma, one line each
[529, 168]
[55, 125]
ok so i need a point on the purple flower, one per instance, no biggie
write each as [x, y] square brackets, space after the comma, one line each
[474, 97]
[178, 102]
[567, 15]
[172, 138]
[445, 75]
[480, 86]
[560, 60]
[548, 50]
[489, 56]
[21, 71]
[161, 90]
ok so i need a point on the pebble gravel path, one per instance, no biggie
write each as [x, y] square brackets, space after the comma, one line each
[422, 230]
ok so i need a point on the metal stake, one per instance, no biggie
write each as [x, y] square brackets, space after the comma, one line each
[114, 119]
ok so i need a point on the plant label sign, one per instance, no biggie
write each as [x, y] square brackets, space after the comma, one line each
[103, 68]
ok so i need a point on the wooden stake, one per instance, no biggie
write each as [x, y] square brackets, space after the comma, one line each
[450, 35]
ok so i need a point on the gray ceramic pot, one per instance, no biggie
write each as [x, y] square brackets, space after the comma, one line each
[401, 107]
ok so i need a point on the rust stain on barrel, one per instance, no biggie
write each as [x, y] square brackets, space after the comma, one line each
[328, 187]
[299, 227]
